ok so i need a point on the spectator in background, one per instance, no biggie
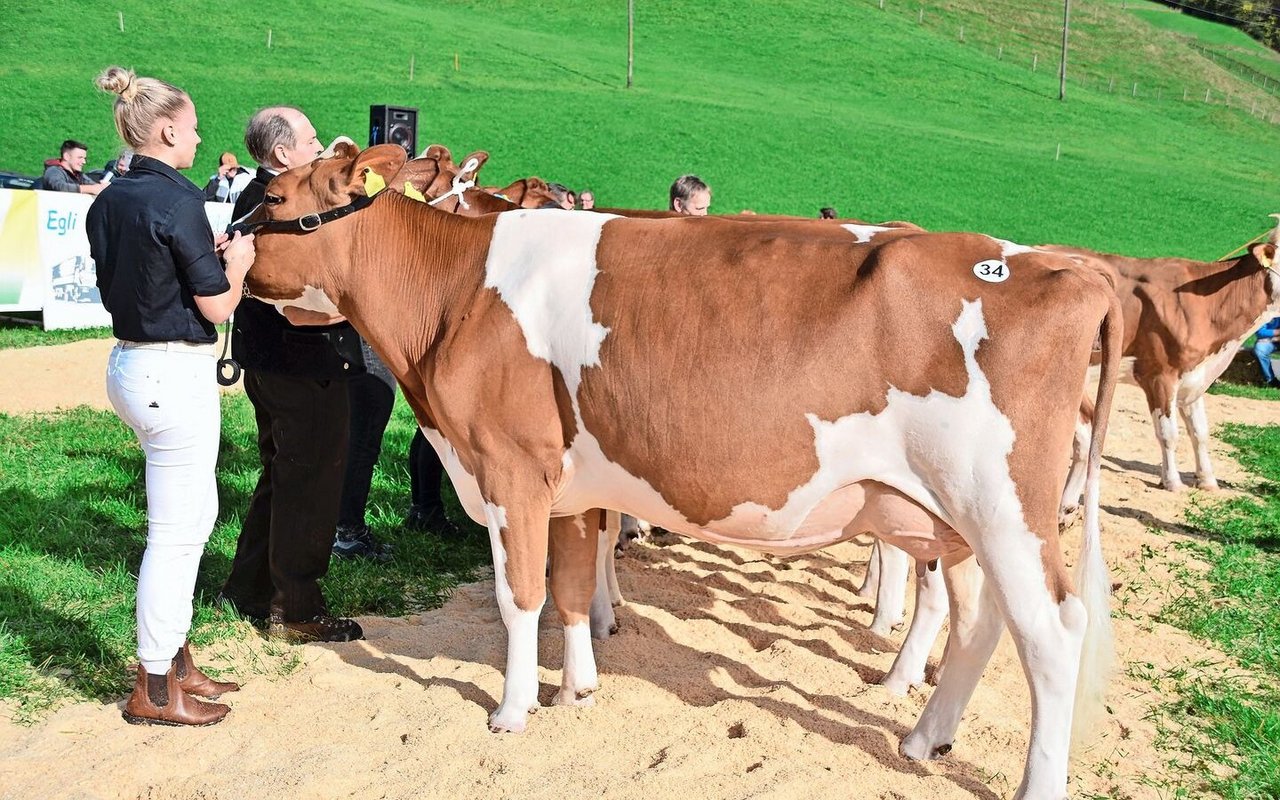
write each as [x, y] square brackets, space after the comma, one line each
[827, 213]
[65, 173]
[588, 199]
[690, 196]
[228, 182]
[563, 195]
[118, 166]
[1264, 347]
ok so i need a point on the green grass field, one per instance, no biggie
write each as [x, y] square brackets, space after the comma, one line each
[70, 545]
[781, 107]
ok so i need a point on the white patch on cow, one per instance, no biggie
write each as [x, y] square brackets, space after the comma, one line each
[993, 270]
[520, 690]
[579, 679]
[1008, 248]
[921, 446]
[543, 265]
[464, 483]
[863, 233]
[311, 299]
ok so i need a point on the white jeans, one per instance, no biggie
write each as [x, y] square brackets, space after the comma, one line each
[170, 400]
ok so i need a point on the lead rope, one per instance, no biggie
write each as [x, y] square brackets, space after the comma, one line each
[459, 185]
[223, 363]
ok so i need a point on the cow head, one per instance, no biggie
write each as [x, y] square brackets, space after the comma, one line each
[434, 176]
[529, 193]
[303, 266]
[1265, 254]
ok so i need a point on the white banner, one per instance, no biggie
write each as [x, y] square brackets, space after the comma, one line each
[44, 256]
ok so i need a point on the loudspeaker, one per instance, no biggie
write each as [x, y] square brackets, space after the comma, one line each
[394, 125]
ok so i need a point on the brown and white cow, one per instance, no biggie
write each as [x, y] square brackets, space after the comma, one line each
[1184, 321]
[565, 361]
[436, 177]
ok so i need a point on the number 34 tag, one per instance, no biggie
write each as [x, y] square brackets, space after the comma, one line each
[992, 270]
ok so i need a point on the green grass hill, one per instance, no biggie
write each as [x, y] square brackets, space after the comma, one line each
[945, 113]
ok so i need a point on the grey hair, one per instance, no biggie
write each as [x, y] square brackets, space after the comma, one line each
[267, 129]
[683, 189]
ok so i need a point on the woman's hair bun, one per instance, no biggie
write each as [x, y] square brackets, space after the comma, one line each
[119, 80]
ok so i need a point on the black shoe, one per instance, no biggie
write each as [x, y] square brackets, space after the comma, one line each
[320, 628]
[359, 542]
[433, 520]
[256, 613]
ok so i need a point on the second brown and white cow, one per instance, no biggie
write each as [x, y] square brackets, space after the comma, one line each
[565, 361]
[1184, 322]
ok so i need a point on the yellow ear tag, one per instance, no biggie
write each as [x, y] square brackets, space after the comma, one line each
[373, 183]
[413, 193]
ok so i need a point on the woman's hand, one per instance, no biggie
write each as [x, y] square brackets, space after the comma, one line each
[238, 252]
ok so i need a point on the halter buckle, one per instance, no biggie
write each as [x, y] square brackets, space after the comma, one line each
[302, 222]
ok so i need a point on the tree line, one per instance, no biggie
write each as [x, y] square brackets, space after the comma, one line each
[1258, 18]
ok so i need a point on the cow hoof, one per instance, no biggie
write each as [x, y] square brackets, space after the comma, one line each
[602, 632]
[1174, 486]
[917, 749]
[583, 698]
[899, 686]
[503, 722]
[1209, 486]
[882, 628]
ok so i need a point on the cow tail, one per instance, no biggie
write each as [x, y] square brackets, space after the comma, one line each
[1092, 580]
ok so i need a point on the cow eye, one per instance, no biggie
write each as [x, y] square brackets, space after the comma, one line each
[273, 200]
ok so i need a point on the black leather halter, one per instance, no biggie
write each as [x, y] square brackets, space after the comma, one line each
[304, 224]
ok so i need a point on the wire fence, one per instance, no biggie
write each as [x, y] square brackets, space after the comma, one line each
[1007, 33]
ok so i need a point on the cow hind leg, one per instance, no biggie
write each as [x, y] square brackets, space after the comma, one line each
[931, 611]
[1166, 425]
[575, 562]
[976, 625]
[1049, 636]
[603, 621]
[871, 580]
[1197, 422]
[518, 537]
[891, 593]
[1073, 493]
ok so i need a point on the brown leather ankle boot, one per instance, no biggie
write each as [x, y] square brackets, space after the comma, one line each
[159, 700]
[194, 682]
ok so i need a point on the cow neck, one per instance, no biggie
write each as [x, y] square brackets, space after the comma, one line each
[1243, 295]
[430, 267]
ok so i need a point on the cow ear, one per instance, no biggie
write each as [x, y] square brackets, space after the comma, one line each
[472, 164]
[439, 153]
[419, 173]
[1265, 253]
[513, 192]
[341, 147]
[384, 159]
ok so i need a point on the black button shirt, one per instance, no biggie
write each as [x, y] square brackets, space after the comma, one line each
[151, 242]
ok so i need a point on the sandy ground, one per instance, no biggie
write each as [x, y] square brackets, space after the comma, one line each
[732, 676]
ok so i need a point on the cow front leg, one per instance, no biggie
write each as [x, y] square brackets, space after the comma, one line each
[574, 566]
[931, 611]
[518, 538]
[891, 594]
[1197, 422]
[1166, 425]
[976, 625]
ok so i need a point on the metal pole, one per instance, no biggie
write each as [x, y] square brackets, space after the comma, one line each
[1066, 28]
[631, 39]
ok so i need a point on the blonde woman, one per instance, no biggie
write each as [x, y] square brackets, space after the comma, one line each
[165, 286]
